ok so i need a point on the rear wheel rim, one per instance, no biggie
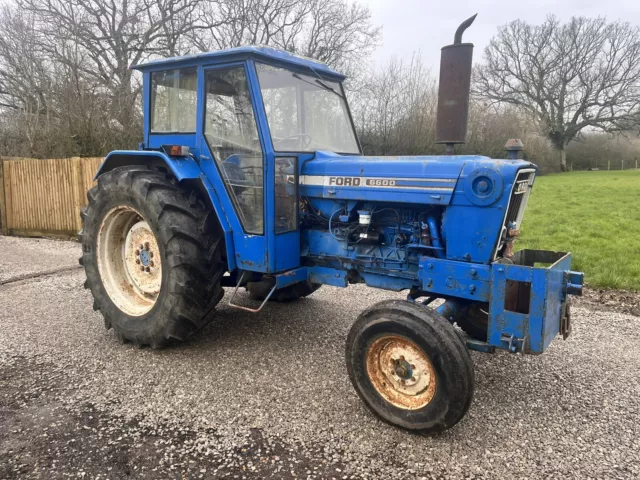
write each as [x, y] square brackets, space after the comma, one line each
[401, 372]
[129, 261]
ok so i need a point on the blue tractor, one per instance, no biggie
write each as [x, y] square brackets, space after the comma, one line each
[251, 175]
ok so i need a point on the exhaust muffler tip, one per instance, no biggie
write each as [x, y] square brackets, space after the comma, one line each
[457, 39]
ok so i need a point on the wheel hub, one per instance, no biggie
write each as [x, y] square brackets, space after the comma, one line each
[401, 372]
[145, 258]
[402, 369]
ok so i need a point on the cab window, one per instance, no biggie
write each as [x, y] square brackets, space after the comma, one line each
[306, 113]
[173, 101]
[232, 136]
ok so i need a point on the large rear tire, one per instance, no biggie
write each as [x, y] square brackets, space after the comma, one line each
[152, 253]
[474, 321]
[410, 367]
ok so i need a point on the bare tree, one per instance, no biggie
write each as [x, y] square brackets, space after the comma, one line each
[395, 109]
[66, 87]
[395, 114]
[332, 31]
[109, 37]
[581, 75]
[25, 79]
[23, 75]
[51, 107]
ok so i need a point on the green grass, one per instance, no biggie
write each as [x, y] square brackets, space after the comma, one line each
[594, 215]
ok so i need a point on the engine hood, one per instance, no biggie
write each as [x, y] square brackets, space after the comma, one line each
[415, 179]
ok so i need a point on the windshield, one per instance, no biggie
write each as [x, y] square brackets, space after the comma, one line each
[305, 112]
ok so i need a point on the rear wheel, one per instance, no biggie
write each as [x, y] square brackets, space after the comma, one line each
[474, 321]
[410, 367]
[152, 253]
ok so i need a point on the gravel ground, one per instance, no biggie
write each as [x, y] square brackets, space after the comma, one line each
[23, 256]
[267, 395]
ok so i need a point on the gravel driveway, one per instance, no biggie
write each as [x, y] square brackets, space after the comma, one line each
[267, 395]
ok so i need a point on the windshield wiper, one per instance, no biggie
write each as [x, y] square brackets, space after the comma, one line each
[327, 87]
[318, 81]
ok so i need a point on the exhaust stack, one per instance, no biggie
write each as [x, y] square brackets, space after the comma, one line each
[453, 91]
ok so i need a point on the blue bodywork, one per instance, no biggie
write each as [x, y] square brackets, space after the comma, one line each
[436, 226]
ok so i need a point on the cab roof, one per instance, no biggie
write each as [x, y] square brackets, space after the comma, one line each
[265, 54]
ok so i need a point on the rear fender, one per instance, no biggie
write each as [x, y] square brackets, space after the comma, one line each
[181, 167]
[185, 169]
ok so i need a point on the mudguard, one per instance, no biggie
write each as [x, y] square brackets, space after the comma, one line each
[183, 168]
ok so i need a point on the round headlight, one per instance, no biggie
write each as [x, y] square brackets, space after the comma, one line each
[483, 186]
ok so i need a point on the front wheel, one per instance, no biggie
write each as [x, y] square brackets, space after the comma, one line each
[410, 367]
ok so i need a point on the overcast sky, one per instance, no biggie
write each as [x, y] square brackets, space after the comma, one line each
[428, 25]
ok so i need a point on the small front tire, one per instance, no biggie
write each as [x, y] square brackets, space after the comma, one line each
[410, 367]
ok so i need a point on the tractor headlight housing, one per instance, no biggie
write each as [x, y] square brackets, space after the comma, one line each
[483, 186]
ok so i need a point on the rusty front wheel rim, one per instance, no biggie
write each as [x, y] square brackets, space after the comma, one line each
[401, 372]
[129, 262]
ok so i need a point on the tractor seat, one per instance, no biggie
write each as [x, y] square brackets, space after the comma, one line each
[239, 176]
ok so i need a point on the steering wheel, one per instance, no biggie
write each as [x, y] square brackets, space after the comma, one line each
[303, 139]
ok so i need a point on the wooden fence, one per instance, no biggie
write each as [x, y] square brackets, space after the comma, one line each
[44, 197]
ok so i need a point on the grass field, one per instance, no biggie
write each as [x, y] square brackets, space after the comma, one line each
[594, 215]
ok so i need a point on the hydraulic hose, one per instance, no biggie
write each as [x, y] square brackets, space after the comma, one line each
[434, 232]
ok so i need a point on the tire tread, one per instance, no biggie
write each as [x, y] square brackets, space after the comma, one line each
[455, 354]
[192, 253]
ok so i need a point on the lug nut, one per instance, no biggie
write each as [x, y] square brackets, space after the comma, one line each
[151, 254]
[138, 252]
[146, 245]
[413, 367]
[413, 379]
[141, 247]
[148, 269]
[151, 264]
[138, 261]
[402, 382]
[142, 268]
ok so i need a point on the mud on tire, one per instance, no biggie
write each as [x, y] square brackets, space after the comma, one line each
[190, 243]
[432, 410]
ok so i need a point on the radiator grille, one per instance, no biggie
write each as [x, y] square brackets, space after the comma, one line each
[519, 197]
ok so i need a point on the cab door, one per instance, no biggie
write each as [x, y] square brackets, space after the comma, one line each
[281, 182]
[232, 157]
[258, 190]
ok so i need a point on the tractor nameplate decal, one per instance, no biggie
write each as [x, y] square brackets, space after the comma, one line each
[521, 187]
[357, 181]
[377, 182]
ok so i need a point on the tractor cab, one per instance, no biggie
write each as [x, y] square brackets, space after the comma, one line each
[249, 116]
